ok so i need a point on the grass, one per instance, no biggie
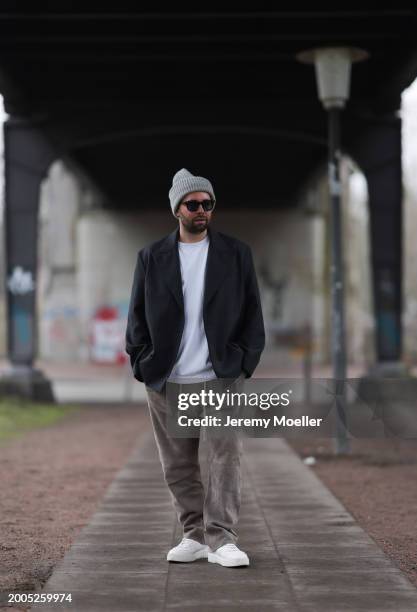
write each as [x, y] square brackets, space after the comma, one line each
[18, 416]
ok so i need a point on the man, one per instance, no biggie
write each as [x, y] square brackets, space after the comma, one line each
[195, 316]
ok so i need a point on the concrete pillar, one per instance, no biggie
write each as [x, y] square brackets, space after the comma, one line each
[379, 154]
[27, 156]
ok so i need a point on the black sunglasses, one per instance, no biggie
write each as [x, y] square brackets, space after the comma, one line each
[194, 205]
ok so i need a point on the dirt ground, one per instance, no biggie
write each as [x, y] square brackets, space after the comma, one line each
[53, 479]
[377, 484]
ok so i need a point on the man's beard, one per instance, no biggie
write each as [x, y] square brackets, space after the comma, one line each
[193, 227]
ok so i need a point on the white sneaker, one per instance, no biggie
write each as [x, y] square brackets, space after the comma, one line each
[188, 550]
[229, 555]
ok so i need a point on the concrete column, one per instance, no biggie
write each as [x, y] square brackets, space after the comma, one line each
[379, 155]
[27, 156]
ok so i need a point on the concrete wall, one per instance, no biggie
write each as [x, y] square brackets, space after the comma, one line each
[360, 325]
[88, 256]
[63, 197]
[108, 243]
[359, 322]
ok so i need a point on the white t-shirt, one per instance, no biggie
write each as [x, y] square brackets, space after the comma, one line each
[193, 361]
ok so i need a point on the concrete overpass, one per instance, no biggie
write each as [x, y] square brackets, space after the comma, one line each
[129, 95]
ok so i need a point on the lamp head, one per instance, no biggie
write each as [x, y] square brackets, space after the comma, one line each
[332, 65]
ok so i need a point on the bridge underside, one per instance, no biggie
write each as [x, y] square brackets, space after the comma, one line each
[131, 96]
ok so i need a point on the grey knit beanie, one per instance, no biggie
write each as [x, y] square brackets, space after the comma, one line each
[184, 182]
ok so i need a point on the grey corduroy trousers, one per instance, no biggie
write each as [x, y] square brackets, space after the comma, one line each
[208, 516]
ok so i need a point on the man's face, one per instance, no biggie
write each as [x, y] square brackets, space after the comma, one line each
[194, 222]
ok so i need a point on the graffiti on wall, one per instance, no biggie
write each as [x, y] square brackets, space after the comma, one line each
[20, 281]
[107, 338]
[60, 331]
[21, 320]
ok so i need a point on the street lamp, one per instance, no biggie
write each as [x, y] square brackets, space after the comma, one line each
[333, 66]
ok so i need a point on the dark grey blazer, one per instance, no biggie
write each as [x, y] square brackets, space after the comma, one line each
[232, 312]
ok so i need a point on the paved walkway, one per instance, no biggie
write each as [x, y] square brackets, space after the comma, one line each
[307, 553]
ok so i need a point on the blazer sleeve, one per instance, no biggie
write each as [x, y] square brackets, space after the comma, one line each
[138, 338]
[252, 337]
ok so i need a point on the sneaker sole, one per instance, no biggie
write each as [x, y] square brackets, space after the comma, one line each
[213, 558]
[200, 554]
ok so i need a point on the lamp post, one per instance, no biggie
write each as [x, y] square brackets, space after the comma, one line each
[332, 67]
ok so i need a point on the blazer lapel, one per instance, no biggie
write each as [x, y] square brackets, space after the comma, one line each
[168, 260]
[218, 267]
